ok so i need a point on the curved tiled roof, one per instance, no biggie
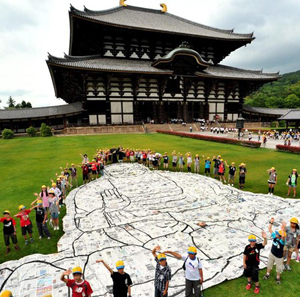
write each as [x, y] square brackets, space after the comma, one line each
[265, 110]
[155, 20]
[144, 66]
[40, 112]
[292, 114]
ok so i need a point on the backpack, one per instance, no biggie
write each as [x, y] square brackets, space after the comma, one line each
[183, 266]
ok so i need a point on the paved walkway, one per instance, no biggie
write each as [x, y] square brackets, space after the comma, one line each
[271, 143]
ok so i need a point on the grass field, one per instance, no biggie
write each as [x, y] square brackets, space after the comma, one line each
[28, 163]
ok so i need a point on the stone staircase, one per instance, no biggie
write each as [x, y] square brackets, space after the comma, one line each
[92, 130]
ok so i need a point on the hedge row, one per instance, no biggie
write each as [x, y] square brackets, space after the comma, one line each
[254, 144]
[287, 148]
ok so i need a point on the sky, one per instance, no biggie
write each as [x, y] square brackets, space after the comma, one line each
[29, 29]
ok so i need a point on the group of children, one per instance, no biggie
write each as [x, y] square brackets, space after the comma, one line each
[285, 242]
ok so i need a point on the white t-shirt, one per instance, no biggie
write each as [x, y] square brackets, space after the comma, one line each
[192, 268]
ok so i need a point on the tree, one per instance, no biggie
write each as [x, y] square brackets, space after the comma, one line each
[23, 104]
[292, 101]
[11, 102]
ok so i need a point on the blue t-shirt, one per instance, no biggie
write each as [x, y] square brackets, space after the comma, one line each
[277, 246]
[207, 164]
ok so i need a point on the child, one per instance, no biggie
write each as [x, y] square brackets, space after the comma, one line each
[79, 287]
[121, 280]
[197, 164]
[276, 253]
[85, 173]
[9, 231]
[189, 161]
[272, 181]
[292, 182]
[41, 219]
[54, 207]
[44, 196]
[242, 175]
[162, 274]
[292, 241]
[166, 160]
[174, 161]
[231, 173]
[207, 166]
[181, 162]
[251, 260]
[221, 171]
[25, 222]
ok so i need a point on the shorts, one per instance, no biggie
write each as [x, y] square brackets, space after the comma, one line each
[27, 229]
[207, 170]
[271, 183]
[174, 164]
[94, 172]
[144, 160]
[289, 249]
[242, 179]
[216, 171]
[292, 186]
[85, 176]
[251, 272]
[54, 215]
[221, 173]
[13, 239]
[231, 176]
[279, 263]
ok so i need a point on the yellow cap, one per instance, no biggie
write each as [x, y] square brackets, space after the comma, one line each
[161, 257]
[58, 179]
[221, 160]
[6, 293]
[120, 265]
[197, 155]
[51, 192]
[6, 212]
[294, 169]
[294, 220]
[192, 250]
[251, 238]
[207, 158]
[272, 168]
[43, 186]
[232, 163]
[21, 207]
[39, 202]
[53, 184]
[72, 164]
[77, 270]
[281, 233]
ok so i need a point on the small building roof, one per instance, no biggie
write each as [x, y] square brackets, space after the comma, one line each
[144, 66]
[265, 110]
[40, 112]
[155, 20]
[291, 115]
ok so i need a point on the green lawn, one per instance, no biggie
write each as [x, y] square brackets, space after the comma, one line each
[28, 163]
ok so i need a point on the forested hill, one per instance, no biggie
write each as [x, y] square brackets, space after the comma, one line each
[285, 93]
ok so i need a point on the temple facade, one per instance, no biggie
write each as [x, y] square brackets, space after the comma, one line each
[129, 64]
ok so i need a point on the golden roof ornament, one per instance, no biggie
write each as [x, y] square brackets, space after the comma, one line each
[122, 3]
[164, 7]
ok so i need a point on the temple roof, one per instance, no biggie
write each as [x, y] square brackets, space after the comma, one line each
[291, 115]
[155, 20]
[265, 110]
[40, 112]
[97, 63]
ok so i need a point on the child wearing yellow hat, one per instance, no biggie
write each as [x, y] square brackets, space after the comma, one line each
[272, 181]
[121, 280]
[197, 164]
[291, 242]
[162, 273]
[26, 225]
[242, 175]
[193, 271]
[78, 285]
[165, 160]
[9, 231]
[292, 182]
[207, 166]
[276, 253]
[174, 160]
[251, 260]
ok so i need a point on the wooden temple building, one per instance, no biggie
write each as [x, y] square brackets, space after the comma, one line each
[129, 64]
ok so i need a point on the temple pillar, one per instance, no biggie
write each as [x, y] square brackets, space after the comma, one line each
[160, 112]
[154, 106]
[179, 110]
[185, 111]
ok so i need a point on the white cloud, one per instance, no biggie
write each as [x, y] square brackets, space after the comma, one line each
[31, 28]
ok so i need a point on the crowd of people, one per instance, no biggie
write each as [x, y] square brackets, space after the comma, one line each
[49, 200]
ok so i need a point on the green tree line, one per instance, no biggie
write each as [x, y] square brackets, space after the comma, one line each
[284, 93]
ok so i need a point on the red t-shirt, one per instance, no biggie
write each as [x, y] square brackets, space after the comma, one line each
[94, 166]
[24, 218]
[85, 169]
[82, 289]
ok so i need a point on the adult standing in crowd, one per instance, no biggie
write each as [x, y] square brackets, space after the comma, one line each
[216, 166]
[193, 271]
